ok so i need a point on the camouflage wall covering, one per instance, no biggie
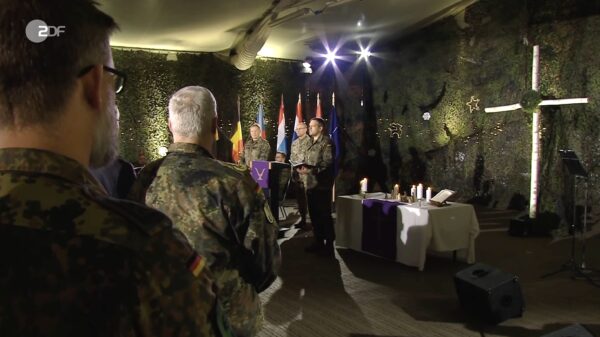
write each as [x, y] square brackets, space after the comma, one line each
[152, 80]
[482, 56]
[486, 55]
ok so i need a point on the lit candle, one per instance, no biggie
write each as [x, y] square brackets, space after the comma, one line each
[413, 191]
[363, 185]
[420, 191]
[428, 194]
[396, 189]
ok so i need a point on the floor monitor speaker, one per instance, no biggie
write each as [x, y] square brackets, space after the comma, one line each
[488, 294]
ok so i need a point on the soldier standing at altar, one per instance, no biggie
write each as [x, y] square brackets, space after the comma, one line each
[298, 154]
[256, 148]
[318, 175]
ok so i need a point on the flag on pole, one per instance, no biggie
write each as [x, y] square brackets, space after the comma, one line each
[260, 120]
[237, 139]
[334, 134]
[281, 140]
[319, 113]
[298, 118]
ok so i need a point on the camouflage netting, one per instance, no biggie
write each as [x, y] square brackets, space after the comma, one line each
[482, 58]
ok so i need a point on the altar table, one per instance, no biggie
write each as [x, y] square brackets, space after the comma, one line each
[418, 229]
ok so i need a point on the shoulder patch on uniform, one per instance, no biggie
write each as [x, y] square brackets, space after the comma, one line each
[268, 213]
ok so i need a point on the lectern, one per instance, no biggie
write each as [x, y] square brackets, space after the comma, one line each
[273, 177]
[280, 174]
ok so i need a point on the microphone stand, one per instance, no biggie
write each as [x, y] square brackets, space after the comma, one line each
[578, 271]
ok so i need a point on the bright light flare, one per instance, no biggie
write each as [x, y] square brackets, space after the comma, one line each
[330, 57]
[365, 53]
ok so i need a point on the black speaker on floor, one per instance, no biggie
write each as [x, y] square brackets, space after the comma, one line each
[488, 294]
[575, 330]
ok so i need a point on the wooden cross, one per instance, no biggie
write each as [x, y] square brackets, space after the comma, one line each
[535, 128]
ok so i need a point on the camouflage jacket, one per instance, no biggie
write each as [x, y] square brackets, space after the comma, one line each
[319, 155]
[299, 147]
[255, 150]
[223, 213]
[77, 263]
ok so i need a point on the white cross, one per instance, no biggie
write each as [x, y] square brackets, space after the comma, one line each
[535, 128]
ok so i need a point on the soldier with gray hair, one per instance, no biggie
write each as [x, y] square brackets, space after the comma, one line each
[74, 261]
[217, 205]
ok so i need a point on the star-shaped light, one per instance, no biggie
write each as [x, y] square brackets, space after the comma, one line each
[427, 116]
[473, 104]
[395, 130]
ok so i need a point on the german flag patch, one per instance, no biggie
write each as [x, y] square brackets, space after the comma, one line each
[196, 264]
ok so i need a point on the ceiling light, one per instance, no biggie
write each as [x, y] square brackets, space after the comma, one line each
[365, 53]
[330, 57]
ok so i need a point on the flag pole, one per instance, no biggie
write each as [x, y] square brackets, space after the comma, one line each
[333, 190]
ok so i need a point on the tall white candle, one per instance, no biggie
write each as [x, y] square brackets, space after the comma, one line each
[428, 194]
[396, 189]
[363, 185]
[413, 191]
[420, 191]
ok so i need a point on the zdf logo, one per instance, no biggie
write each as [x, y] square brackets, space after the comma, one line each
[38, 31]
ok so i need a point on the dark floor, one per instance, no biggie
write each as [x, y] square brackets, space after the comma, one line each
[361, 295]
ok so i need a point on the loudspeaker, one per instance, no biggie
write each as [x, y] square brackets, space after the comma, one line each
[575, 330]
[542, 225]
[489, 294]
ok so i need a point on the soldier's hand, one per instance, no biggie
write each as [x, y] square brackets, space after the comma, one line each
[303, 170]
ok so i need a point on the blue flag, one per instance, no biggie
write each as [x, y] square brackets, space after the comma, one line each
[260, 120]
[334, 134]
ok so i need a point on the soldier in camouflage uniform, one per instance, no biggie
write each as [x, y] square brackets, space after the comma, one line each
[298, 154]
[75, 262]
[217, 205]
[256, 148]
[319, 178]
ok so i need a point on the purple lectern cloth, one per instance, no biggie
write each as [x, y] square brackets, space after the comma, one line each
[260, 173]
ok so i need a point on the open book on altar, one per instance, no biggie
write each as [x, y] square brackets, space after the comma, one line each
[440, 198]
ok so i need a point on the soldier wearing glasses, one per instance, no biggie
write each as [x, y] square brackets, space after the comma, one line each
[298, 155]
[74, 261]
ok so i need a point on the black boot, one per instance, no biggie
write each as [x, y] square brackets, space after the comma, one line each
[315, 248]
[328, 250]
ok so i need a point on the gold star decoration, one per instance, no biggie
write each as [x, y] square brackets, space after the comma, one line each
[473, 104]
[395, 130]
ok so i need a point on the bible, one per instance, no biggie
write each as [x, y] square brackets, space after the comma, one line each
[440, 198]
[300, 164]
